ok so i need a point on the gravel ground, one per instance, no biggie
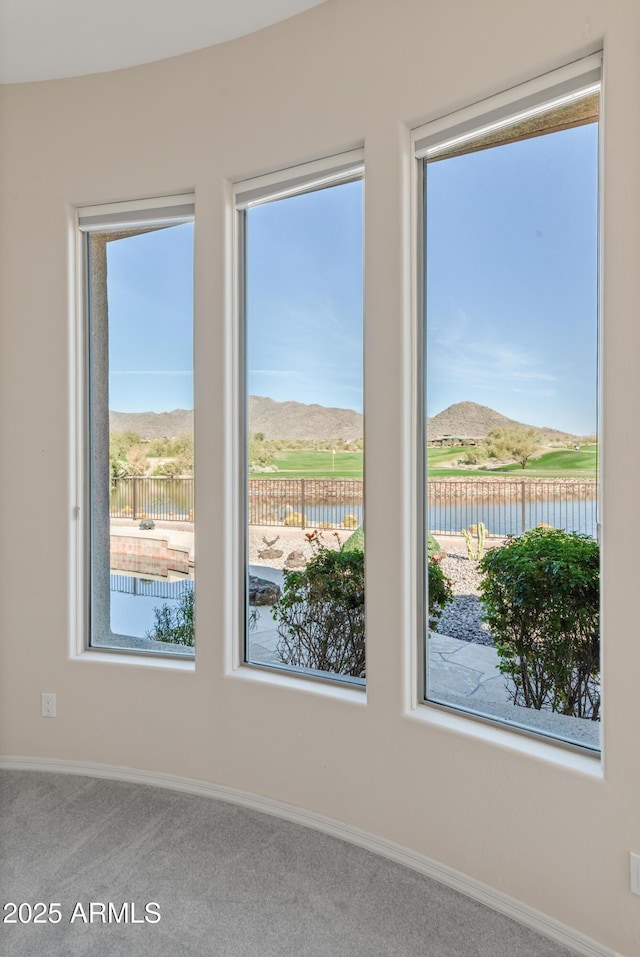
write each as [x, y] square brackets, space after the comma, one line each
[461, 619]
[287, 541]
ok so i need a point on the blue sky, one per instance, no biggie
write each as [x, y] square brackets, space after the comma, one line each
[304, 298]
[150, 293]
[511, 239]
[511, 292]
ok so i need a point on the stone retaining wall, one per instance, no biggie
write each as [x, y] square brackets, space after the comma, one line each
[148, 556]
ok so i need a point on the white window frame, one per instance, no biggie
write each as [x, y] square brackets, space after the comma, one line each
[514, 105]
[107, 217]
[292, 181]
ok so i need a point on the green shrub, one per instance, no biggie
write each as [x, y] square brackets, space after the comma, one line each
[175, 625]
[541, 598]
[321, 614]
[439, 592]
[432, 545]
[171, 469]
[355, 542]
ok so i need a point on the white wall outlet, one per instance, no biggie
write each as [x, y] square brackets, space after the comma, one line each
[634, 873]
[48, 705]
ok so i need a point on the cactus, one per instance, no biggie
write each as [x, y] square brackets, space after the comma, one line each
[478, 531]
[482, 531]
[469, 540]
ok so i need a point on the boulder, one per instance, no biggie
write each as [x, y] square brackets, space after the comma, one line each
[295, 559]
[263, 592]
[271, 553]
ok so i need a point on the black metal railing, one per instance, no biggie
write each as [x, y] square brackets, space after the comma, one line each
[155, 497]
[306, 503]
[511, 507]
[506, 507]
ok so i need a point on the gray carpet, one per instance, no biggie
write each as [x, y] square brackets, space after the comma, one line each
[230, 882]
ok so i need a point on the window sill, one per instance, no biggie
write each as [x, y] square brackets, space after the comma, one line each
[136, 659]
[309, 684]
[516, 739]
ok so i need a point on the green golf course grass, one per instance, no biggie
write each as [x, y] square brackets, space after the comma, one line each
[552, 463]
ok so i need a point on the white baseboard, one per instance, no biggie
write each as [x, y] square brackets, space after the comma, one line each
[476, 890]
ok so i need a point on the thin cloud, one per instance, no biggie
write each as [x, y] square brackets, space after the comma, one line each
[151, 372]
[281, 373]
[480, 362]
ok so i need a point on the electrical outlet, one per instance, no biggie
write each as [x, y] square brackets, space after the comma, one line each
[634, 873]
[48, 705]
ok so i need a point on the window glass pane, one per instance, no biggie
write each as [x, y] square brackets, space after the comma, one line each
[303, 328]
[511, 303]
[142, 454]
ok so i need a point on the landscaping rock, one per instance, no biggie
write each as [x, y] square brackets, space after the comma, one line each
[271, 553]
[295, 559]
[263, 592]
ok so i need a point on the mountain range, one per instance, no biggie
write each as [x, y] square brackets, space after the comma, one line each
[295, 420]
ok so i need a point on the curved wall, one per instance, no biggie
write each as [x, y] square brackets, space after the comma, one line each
[530, 820]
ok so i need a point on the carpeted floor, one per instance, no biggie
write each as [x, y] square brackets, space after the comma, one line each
[228, 882]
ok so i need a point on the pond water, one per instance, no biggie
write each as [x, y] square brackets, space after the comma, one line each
[132, 611]
[508, 518]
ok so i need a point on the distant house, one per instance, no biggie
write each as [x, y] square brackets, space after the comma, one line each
[453, 440]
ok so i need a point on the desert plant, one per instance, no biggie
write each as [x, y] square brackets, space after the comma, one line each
[175, 625]
[321, 614]
[355, 542]
[350, 521]
[479, 531]
[541, 597]
[514, 443]
[170, 469]
[295, 519]
[433, 546]
[439, 592]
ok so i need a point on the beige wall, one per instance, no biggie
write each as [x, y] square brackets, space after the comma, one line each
[346, 73]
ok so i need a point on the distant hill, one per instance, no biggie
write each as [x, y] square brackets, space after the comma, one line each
[295, 420]
[278, 420]
[470, 420]
[152, 425]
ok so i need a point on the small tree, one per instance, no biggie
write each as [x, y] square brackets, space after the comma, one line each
[136, 462]
[258, 453]
[517, 444]
[121, 442]
[541, 597]
[183, 450]
[170, 469]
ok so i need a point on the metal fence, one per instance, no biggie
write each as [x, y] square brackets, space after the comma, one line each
[306, 502]
[511, 507]
[507, 507]
[161, 498]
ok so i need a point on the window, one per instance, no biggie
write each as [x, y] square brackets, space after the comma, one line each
[301, 295]
[140, 451]
[509, 298]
